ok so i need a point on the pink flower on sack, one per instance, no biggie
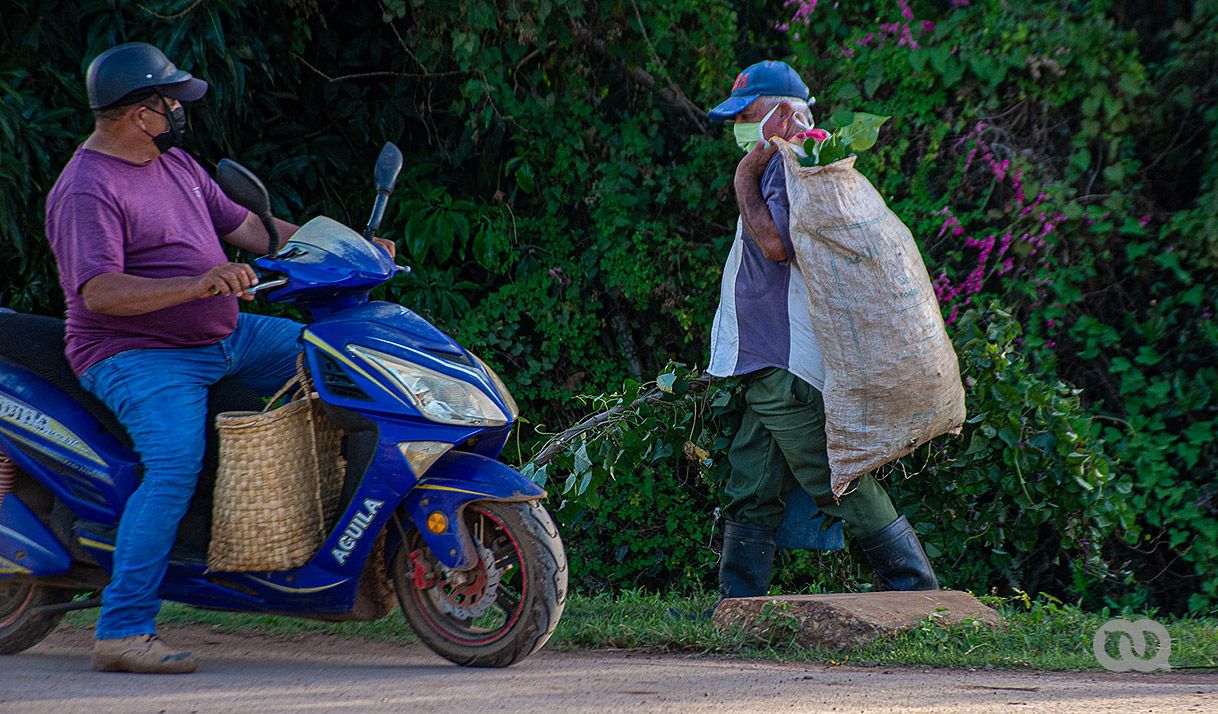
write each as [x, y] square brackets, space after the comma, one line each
[818, 135]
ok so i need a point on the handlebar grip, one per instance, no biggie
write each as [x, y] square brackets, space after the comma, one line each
[270, 285]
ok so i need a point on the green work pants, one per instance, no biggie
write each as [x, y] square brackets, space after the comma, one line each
[781, 443]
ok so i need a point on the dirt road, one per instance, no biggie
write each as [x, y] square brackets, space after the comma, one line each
[322, 673]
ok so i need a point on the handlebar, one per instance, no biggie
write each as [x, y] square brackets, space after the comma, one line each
[270, 285]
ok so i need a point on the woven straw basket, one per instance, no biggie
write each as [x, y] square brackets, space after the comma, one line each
[277, 485]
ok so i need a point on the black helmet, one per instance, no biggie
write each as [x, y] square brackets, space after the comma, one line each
[129, 72]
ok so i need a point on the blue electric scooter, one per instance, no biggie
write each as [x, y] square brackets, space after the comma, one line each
[426, 511]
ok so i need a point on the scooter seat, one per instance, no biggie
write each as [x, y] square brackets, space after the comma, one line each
[36, 343]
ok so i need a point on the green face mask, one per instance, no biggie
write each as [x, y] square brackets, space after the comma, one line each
[749, 133]
[746, 135]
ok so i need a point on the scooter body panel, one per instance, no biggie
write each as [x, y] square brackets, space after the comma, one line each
[455, 480]
[397, 331]
[63, 446]
[307, 590]
[27, 547]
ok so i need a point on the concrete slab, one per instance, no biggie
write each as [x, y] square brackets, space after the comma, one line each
[846, 620]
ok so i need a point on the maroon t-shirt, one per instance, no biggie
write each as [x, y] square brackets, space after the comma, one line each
[162, 219]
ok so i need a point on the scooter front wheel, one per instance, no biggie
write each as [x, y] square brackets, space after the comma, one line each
[21, 627]
[499, 611]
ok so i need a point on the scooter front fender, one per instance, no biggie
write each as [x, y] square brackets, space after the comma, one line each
[457, 479]
[27, 547]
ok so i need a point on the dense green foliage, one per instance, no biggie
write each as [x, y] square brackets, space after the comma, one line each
[567, 208]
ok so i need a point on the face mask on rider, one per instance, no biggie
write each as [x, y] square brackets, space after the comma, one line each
[174, 133]
[749, 133]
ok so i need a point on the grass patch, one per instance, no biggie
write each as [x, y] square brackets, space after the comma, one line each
[1041, 633]
[392, 628]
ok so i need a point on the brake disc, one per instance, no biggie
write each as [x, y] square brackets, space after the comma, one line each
[470, 599]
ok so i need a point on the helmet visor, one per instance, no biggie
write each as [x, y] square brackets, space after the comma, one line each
[188, 91]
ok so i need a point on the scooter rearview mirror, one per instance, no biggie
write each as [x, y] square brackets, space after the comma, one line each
[388, 165]
[241, 185]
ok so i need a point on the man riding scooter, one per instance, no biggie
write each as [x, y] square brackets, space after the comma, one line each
[135, 224]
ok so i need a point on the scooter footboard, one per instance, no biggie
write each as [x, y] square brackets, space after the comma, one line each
[436, 501]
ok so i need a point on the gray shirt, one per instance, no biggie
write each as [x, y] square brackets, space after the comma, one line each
[763, 318]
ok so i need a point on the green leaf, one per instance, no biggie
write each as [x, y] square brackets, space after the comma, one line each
[978, 444]
[582, 462]
[847, 92]
[1148, 356]
[1043, 441]
[484, 248]
[535, 474]
[862, 132]
[872, 84]
[524, 178]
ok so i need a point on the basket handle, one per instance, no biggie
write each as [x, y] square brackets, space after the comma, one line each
[304, 388]
[300, 380]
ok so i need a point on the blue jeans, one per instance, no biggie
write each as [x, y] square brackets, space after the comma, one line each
[160, 396]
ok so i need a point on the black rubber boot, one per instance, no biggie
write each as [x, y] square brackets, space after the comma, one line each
[748, 557]
[898, 559]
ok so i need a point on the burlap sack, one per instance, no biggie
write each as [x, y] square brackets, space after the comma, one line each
[892, 381]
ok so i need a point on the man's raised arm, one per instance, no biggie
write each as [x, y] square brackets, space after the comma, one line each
[758, 222]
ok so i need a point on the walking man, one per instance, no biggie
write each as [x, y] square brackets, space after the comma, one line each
[763, 333]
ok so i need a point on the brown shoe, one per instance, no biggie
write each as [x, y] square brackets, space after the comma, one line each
[143, 654]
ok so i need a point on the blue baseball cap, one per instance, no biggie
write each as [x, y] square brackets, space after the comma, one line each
[769, 78]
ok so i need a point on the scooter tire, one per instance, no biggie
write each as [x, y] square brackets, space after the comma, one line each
[536, 593]
[20, 627]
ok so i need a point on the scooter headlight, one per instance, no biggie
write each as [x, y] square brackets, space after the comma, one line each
[437, 396]
[513, 410]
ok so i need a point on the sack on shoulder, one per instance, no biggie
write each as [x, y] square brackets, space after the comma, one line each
[892, 378]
